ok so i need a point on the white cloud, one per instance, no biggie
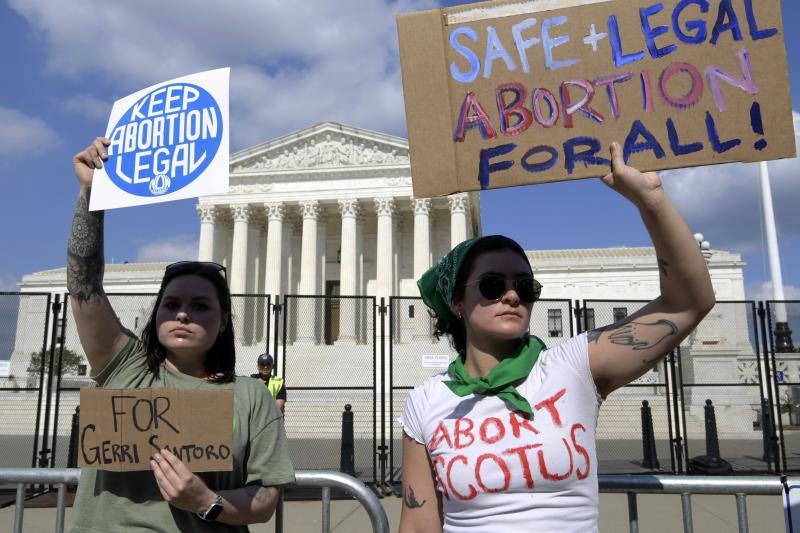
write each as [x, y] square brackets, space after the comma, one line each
[176, 248]
[763, 291]
[293, 63]
[22, 134]
[8, 284]
[724, 201]
[89, 106]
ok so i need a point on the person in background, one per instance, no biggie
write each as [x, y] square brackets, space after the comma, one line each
[275, 384]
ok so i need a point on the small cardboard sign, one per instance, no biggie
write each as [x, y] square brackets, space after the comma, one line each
[120, 429]
[513, 92]
[169, 141]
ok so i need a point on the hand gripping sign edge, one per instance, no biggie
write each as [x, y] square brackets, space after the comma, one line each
[165, 140]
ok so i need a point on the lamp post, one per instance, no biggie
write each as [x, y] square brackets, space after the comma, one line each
[709, 329]
[783, 335]
[705, 247]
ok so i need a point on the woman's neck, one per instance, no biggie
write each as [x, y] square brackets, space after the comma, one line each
[484, 354]
[191, 366]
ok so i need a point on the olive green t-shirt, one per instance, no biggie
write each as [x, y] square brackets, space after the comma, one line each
[131, 502]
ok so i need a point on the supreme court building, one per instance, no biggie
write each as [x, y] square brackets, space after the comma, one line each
[329, 210]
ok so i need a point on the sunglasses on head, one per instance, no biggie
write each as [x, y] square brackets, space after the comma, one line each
[207, 265]
[493, 286]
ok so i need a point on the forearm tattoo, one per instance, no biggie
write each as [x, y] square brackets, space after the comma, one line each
[411, 500]
[85, 261]
[632, 334]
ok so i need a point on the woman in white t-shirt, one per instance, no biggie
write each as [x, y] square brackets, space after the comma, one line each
[505, 439]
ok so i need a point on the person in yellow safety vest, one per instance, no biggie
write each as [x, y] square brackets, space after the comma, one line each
[275, 384]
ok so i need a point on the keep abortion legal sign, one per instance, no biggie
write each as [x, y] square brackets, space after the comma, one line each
[169, 141]
[512, 92]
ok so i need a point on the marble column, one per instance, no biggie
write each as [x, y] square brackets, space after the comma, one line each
[206, 248]
[274, 260]
[263, 310]
[253, 271]
[385, 247]
[322, 248]
[459, 203]
[348, 270]
[307, 316]
[361, 285]
[422, 236]
[221, 239]
[238, 270]
[422, 259]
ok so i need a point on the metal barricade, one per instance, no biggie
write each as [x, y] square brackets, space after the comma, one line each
[61, 477]
[739, 486]
[336, 480]
[39, 476]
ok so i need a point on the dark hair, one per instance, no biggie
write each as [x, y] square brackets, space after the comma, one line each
[455, 330]
[221, 358]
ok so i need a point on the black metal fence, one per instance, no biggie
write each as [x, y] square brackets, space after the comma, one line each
[619, 441]
[330, 359]
[785, 370]
[732, 388]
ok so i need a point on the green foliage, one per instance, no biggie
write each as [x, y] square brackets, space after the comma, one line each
[69, 362]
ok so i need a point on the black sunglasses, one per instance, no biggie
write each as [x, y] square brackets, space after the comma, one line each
[494, 286]
[209, 265]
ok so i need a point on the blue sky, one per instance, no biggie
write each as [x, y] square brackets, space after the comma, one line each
[293, 65]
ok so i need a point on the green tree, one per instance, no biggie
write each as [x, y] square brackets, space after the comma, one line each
[69, 362]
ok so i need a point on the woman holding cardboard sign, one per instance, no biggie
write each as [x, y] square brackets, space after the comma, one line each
[188, 343]
[505, 439]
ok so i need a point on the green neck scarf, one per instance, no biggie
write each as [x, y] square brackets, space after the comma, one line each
[498, 382]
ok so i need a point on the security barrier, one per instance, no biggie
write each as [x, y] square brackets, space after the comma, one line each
[739, 486]
[62, 477]
[337, 350]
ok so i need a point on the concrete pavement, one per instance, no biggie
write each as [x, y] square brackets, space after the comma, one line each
[657, 513]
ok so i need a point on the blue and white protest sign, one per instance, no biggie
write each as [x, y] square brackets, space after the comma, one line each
[169, 141]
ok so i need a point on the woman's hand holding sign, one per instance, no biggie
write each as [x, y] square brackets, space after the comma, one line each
[642, 189]
[86, 161]
[178, 485]
[184, 490]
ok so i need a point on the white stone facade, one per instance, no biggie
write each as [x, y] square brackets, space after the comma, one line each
[329, 210]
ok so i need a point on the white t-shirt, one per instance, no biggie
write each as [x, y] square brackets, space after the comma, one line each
[497, 470]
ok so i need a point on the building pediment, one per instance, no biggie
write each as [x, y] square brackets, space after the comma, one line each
[324, 146]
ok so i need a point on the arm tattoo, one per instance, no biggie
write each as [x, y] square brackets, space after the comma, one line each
[662, 266]
[594, 335]
[411, 500]
[629, 333]
[85, 261]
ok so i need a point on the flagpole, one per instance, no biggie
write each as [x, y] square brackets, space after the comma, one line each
[783, 335]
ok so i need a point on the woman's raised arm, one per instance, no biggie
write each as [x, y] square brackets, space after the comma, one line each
[621, 352]
[99, 329]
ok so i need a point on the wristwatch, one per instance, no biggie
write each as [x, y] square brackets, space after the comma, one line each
[212, 512]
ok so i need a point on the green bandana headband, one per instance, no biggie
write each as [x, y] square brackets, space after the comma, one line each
[499, 381]
[437, 285]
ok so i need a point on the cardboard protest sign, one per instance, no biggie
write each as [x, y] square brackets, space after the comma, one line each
[512, 92]
[120, 429]
[168, 142]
